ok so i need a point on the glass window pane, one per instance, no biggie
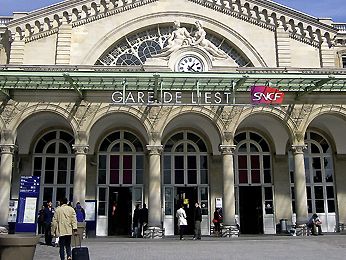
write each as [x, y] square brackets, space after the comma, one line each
[62, 177]
[255, 162]
[179, 162]
[204, 162]
[62, 148]
[49, 177]
[192, 176]
[240, 137]
[292, 176]
[242, 149]
[102, 161]
[308, 192]
[190, 148]
[330, 192]
[127, 148]
[255, 176]
[39, 146]
[179, 148]
[309, 206]
[316, 163]
[242, 161]
[139, 162]
[47, 194]
[319, 206]
[204, 177]
[127, 162]
[102, 177]
[114, 162]
[318, 192]
[269, 207]
[114, 177]
[243, 176]
[167, 176]
[60, 193]
[268, 195]
[102, 208]
[331, 206]
[62, 164]
[116, 148]
[267, 176]
[253, 148]
[50, 163]
[127, 177]
[317, 176]
[314, 148]
[329, 175]
[167, 162]
[139, 176]
[102, 194]
[38, 163]
[266, 162]
[179, 176]
[51, 148]
[191, 162]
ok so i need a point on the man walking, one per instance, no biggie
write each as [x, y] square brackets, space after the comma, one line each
[63, 225]
[198, 220]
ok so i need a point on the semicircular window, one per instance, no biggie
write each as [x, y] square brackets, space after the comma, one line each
[136, 48]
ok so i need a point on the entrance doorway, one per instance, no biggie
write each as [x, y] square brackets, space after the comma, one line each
[250, 210]
[119, 213]
[187, 196]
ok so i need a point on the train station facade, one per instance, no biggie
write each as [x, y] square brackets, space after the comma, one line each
[237, 105]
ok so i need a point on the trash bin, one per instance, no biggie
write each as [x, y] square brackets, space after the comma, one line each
[283, 225]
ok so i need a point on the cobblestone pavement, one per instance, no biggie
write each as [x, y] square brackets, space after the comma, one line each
[242, 248]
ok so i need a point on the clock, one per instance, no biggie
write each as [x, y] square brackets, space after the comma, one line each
[190, 63]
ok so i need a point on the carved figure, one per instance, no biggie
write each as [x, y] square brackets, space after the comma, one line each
[199, 39]
[180, 37]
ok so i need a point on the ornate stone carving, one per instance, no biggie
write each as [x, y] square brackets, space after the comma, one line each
[227, 149]
[80, 148]
[11, 110]
[299, 148]
[180, 37]
[155, 149]
[7, 148]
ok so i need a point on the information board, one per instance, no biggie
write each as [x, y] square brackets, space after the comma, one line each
[29, 191]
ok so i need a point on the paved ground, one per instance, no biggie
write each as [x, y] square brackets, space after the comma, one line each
[245, 247]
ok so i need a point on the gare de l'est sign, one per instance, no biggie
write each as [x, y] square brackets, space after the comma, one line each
[259, 95]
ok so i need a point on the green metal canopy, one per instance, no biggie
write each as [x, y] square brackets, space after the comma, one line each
[100, 78]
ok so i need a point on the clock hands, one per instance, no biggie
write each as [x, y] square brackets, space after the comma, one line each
[190, 68]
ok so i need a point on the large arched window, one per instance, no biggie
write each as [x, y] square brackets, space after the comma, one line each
[121, 159]
[185, 160]
[319, 174]
[53, 161]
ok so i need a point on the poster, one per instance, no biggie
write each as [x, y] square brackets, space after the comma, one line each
[30, 210]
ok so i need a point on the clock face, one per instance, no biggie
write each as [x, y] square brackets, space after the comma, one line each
[190, 64]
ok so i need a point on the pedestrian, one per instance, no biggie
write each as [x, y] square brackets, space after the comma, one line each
[135, 221]
[217, 220]
[80, 213]
[64, 224]
[143, 219]
[198, 220]
[40, 221]
[56, 242]
[182, 222]
[48, 216]
[314, 224]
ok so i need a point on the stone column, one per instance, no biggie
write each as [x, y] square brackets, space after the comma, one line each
[228, 207]
[300, 184]
[6, 151]
[79, 182]
[154, 194]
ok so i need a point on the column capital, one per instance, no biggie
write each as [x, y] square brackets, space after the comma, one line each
[155, 149]
[80, 148]
[298, 148]
[7, 148]
[227, 148]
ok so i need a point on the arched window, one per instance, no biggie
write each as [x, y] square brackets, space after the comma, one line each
[253, 159]
[121, 159]
[319, 174]
[185, 160]
[53, 161]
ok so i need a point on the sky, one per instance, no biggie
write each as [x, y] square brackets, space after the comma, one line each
[335, 9]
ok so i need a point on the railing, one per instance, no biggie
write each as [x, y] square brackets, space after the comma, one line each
[340, 26]
[5, 20]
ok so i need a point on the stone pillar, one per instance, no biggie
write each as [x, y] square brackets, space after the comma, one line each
[7, 151]
[228, 207]
[340, 186]
[154, 194]
[63, 46]
[283, 46]
[79, 182]
[300, 184]
[327, 55]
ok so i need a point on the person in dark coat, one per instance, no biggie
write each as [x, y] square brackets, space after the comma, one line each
[143, 220]
[40, 221]
[48, 216]
[217, 220]
[198, 220]
[135, 221]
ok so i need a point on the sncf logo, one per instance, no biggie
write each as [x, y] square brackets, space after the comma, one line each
[266, 95]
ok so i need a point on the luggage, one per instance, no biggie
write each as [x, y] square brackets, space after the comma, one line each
[80, 253]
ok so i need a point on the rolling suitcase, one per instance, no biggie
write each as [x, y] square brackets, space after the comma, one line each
[80, 253]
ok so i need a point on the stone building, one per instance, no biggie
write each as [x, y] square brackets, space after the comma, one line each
[125, 102]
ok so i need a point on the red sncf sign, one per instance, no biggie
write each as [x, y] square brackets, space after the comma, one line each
[266, 95]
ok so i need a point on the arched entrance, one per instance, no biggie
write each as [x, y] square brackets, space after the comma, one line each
[254, 189]
[185, 179]
[119, 182]
[319, 176]
[54, 162]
